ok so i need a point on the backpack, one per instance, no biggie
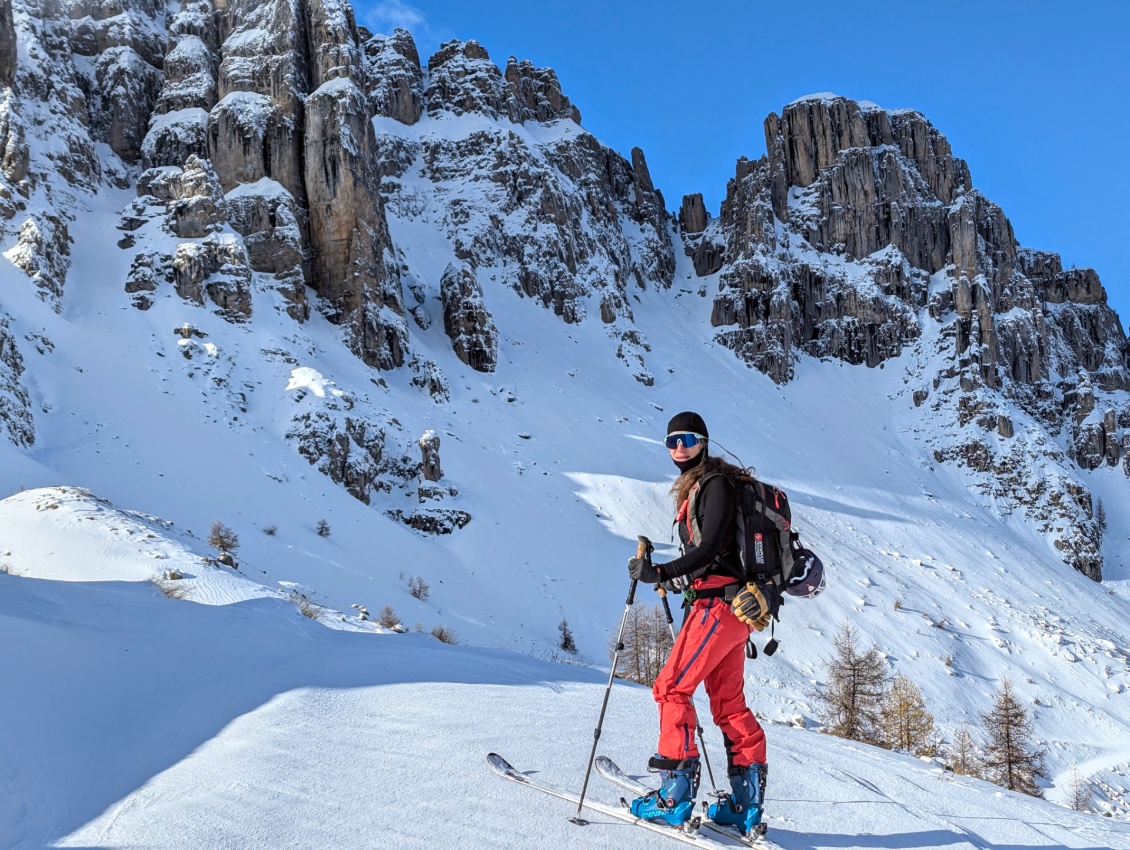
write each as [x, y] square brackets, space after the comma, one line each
[769, 549]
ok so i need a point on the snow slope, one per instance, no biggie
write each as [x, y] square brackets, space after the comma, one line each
[141, 720]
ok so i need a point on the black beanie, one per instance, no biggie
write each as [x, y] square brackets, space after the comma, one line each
[687, 421]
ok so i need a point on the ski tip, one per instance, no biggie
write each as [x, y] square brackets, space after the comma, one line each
[498, 762]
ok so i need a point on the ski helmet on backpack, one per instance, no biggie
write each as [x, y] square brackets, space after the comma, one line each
[807, 580]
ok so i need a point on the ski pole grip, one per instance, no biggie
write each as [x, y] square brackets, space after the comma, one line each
[643, 550]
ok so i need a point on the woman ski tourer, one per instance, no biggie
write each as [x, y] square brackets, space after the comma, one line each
[720, 612]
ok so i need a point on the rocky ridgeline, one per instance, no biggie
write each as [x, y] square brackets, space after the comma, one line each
[858, 226]
[549, 213]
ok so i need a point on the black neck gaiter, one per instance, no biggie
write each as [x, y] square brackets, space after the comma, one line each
[692, 462]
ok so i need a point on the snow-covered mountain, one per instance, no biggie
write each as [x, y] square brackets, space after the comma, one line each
[268, 269]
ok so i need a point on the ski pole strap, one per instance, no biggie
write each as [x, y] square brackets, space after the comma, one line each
[773, 643]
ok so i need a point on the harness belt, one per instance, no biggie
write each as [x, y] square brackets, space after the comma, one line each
[727, 592]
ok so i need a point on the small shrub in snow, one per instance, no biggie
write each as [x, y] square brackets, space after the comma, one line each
[223, 538]
[388, 619]
[172, 588]
[323, 528]
[419, 588]
[444, 634]
[305, 607]
[308, 608]
[271, 530]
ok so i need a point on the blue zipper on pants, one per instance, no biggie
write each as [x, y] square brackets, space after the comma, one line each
[701, 646]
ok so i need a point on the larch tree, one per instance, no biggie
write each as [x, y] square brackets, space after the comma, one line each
[852, 696]
[222, 537]
[1079, 792]
[647, 643]
[1011, 758]
[907, 725]
[566, 643]
[963, 754]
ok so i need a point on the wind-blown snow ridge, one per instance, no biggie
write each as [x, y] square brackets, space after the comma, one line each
[69, 534]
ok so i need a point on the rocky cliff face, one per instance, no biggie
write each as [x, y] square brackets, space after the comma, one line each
[16, 422]
[248, 131]
[858, 232]
[43, 107]
[525, 197]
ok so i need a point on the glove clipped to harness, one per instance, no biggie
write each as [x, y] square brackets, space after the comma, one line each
[755, 604]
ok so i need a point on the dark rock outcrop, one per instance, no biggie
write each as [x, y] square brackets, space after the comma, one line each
[351, 448]
[216, 269]
[692, 214]
[466, 320]
[395, 79]
[16, 421]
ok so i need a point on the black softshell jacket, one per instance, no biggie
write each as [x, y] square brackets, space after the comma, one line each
[717, 553]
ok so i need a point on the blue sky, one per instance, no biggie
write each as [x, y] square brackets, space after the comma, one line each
[1033, 95]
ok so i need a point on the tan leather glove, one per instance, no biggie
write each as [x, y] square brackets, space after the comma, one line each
[752, 607]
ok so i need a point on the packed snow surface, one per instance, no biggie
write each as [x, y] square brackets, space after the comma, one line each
[144, 720]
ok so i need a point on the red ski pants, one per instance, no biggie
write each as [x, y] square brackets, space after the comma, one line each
[709, 649]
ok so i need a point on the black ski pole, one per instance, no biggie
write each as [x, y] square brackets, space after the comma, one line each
[701, 740]
[643, 550]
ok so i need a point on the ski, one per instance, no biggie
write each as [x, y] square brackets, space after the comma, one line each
[504, 769]
[612, 772]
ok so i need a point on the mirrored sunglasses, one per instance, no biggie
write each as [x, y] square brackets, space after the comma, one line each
[689, 439]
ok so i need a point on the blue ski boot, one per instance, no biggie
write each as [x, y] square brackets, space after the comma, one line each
[674, 801]
[742, 808]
